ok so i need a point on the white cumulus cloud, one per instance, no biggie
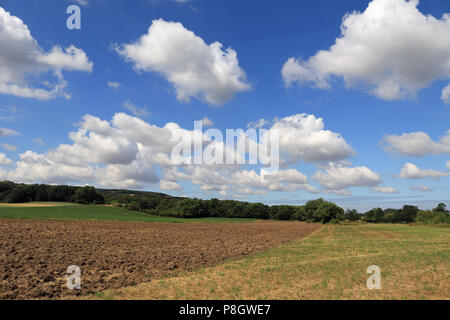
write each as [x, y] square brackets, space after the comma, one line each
[303, 137]
[21, 58]
[194, 68]
[128, 152]
[392, 50]
[411, 171]
[336, 178]
[417, 144]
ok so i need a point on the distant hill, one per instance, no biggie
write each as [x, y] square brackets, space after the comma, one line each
[111, 192]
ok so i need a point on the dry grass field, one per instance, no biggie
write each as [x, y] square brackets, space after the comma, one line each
[329, 264]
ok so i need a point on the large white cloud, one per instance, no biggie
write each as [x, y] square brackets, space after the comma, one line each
[337, 178]
[21, 58]
[302, 137]
[194, 68]
[416, 144]
[121, 153]
[411, 171]
[128, 152]
[240, 183]
[34, 167]
[282, 180]
[391, 50]
[101, 152]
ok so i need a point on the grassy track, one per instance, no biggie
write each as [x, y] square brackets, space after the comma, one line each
[81, 212]
[330, 264]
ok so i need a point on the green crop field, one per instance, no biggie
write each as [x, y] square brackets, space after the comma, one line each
[329, 264]
[92, 212]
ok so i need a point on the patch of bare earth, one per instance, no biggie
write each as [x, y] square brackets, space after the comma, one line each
[34, 255]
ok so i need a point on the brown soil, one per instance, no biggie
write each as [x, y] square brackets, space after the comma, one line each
[34, 255]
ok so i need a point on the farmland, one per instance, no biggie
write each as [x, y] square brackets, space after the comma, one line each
[67, 211]
[132, 255]
[112, 254]
[329, 264]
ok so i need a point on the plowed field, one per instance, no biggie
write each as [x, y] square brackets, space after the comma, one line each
[34, 255]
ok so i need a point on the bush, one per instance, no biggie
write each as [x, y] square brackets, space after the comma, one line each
[441, 217]
[334, 221]
[433, 217]
[438, 215]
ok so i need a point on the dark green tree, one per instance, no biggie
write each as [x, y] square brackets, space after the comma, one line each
[327, 211]
[442, 207]
[375, 215]
[88, 195]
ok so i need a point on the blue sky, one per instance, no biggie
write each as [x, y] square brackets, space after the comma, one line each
[404, 103]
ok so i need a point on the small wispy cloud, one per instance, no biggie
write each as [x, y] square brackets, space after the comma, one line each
[39, 142]
[421, 188]
[258, 124]
[385, 189]
[207, 122]
[83, 3]
[9, 147]
[7, 132]
[114, 84]
[138, 112]
[11, 113]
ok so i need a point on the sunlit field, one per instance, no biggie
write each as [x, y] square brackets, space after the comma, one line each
[329, 264]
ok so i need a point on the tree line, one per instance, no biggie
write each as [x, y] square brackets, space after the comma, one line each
[318, 210]
[11, 192]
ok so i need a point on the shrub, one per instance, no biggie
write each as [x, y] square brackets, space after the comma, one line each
[334, 221]
[441, 217]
